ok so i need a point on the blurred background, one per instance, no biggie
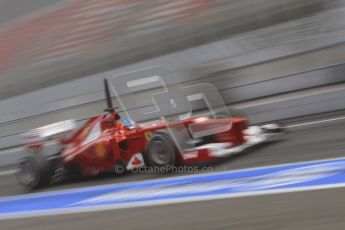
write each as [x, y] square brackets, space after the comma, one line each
[273, 59]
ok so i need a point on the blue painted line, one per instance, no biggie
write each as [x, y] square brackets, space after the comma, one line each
[301, 176]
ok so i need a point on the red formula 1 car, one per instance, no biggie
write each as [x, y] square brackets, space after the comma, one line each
[104, 143]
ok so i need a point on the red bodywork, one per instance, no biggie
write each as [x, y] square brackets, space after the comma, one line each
[104, 141]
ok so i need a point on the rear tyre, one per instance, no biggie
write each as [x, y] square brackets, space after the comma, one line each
[34, 171]
[161, 151]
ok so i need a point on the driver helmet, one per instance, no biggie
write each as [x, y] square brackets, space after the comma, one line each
[128, 123]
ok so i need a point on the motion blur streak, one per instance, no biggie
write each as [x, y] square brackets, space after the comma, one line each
[271, 60]
[119, 32]
[249, 182]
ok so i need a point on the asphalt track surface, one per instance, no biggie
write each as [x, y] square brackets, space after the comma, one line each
[321, 209]
[13, 10]
[313, 210]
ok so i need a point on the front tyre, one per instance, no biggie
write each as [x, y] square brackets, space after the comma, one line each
[161, 150]
[34, 171]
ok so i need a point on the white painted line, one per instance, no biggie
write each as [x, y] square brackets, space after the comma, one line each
[316, 122]
[7, 172]
[65, 211]
[12, 150]
[20, 149]
[292, 96]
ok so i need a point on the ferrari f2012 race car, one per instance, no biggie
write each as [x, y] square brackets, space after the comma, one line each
[104, 143]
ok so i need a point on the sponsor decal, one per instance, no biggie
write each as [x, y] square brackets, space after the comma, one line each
[136, 161]
[100, 151]
[148, 135]
[85, 132]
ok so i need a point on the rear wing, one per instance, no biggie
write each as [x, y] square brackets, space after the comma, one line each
[50, 131]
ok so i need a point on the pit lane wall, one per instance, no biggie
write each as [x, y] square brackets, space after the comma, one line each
[289, 70]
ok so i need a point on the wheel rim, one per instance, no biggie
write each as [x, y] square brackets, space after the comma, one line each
[27, 173]
[160, 153]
